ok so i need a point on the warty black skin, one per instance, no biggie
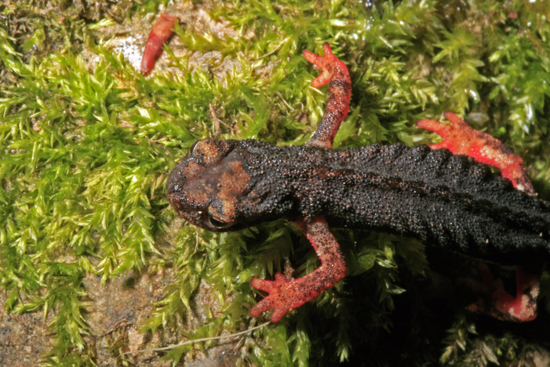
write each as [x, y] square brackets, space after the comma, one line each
[442, 199]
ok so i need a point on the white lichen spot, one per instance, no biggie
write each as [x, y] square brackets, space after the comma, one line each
[143, 112]
[130, 50]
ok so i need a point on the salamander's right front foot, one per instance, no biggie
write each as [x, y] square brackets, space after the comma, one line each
[330, 66]
[336, 73]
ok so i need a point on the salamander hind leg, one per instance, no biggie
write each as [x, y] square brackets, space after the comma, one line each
[286, 294]
[334, 72]
[460, 138]
[496, 302]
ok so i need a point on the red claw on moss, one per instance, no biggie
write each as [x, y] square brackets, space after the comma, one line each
[336, 73]
[495, 301]
[161, 32]
[460, 138]
[279, 290]
[286, 294]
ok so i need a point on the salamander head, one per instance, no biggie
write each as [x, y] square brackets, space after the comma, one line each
[227, 185]
[207, 184]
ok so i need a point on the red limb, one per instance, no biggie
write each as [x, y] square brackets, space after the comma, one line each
[496, 302]
[336, 73]
[161, 32]
[460, 138]
[286, 294]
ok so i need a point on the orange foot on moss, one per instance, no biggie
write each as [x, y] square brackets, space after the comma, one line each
[460, 138]
[495, 301]
[286, 294]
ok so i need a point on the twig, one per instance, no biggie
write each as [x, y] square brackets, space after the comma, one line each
[197, 340]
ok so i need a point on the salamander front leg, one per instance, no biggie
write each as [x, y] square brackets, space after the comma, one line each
[334, 72]
[460, 138]
[286, 294]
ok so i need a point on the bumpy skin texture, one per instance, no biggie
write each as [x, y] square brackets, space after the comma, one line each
[232, 181]
[161, 32]
[433, 195]
[439, 198]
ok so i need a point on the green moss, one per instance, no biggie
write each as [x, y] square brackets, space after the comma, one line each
[86, 151]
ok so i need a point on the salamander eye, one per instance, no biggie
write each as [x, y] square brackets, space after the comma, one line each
[193, 147]
[218, 223]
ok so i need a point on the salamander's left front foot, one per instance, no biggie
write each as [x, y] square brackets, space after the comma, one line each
[280, 296]
[460, 138]
[286, 294]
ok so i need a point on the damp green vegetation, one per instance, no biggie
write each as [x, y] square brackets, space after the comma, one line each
[86, 149]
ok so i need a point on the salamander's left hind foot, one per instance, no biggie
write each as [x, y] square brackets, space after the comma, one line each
[495, 301]
[460, 138]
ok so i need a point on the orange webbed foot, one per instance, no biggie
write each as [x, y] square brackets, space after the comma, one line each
[279, 293]
[460, 138]
[286, 294]
[496, 302]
